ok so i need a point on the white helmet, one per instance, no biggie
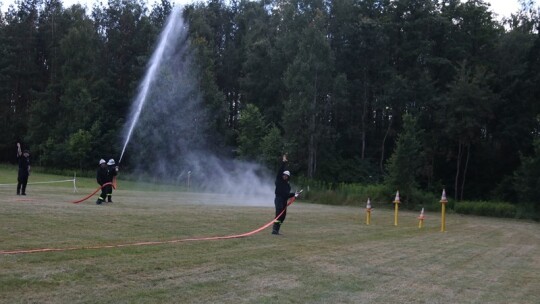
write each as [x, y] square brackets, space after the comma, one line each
[102, 161]
[111, 162]
[287, 173]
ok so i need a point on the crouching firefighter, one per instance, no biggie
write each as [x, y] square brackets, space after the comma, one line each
[102, 178]
[283, 193]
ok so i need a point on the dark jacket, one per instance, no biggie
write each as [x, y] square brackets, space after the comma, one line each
[102, 175]
[283, 188]
[111, 173]
[24, 163]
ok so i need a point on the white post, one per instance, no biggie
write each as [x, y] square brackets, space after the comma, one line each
[74, 179]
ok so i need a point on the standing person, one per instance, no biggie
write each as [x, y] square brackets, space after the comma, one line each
[112, 171]
[102, 178]
[23, 159]
[283, 193]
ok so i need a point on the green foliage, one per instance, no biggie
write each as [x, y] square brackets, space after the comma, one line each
[528, 211]
[250, 131]
[332, 82]
[421, 199]
[496, 209]
[527, 179]
[255, 140]
[271, 145]
[342, 193]
[308, 80]
[354, 170]
[79, 147]
[52, 153]
[66, 172]
[404, 164]
[505, 191]
[356, 194]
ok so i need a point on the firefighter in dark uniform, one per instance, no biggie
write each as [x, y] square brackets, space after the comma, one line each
[283, 193]
[112, 171]
[23, 159]
[102, 178]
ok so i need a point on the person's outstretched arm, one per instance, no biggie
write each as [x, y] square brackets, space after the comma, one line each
[282, 166]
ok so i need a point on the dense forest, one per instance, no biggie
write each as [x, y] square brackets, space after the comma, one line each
[426, 93]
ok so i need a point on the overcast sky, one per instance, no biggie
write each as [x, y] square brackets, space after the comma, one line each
[89, 3]
[502, 7]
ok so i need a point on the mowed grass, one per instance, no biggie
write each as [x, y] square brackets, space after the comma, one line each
[326, 255]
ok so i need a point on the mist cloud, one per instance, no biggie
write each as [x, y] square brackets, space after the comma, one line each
[170, 137]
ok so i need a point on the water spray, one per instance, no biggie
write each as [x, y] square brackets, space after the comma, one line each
[150, 75]
[171, 127]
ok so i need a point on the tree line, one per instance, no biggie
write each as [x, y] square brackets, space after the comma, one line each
[417, 93]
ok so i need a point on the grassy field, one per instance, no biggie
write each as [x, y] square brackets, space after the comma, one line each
[326, 255]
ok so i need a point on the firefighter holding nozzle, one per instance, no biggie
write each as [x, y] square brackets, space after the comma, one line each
[112, 171]
[283, 193]
[102, 177]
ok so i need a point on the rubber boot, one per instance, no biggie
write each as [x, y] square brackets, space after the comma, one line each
[275, 228]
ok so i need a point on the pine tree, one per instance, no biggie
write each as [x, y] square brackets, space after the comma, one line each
[404, 164]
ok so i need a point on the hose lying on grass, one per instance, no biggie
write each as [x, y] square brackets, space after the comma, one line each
[92, 194]
[235, 236]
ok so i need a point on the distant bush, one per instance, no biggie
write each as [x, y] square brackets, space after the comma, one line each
[496, 209]
[353, 194]
[356, 194]
[527, 211]
[64, 172]
[421, 199]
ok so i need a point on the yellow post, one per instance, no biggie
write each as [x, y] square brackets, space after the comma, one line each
[443, 211]
[368, 212]
[421, 219]
[396, 208]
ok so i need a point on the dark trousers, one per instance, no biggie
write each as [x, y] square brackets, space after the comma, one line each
[21, 185]
[103, 194]
[281, 205]
[108, 190]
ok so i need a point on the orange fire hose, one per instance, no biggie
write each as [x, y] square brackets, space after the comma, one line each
[235, 236]
[92, 194]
